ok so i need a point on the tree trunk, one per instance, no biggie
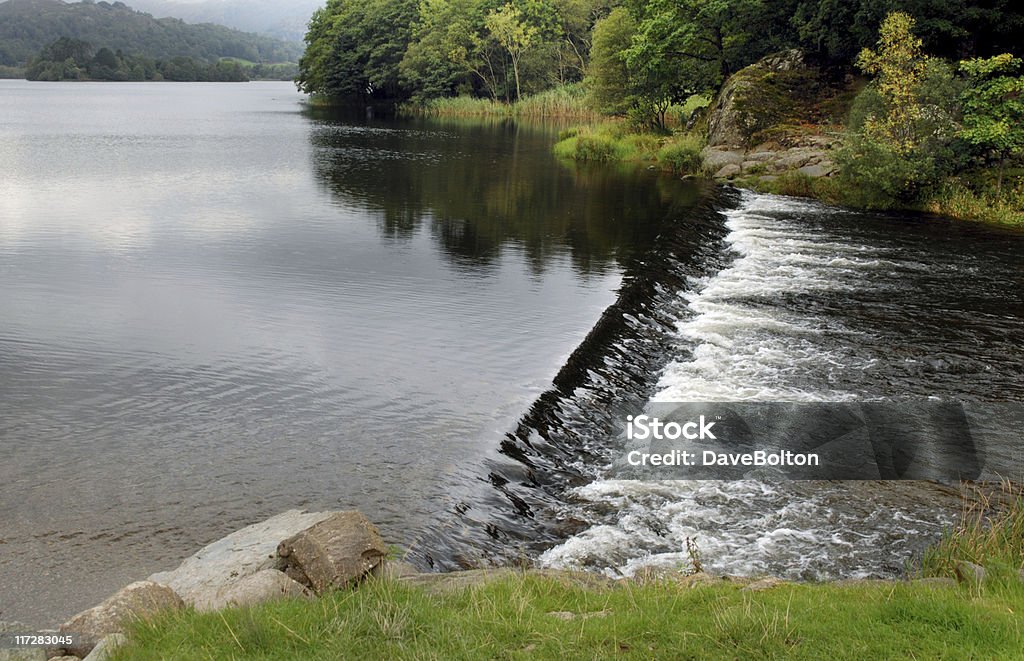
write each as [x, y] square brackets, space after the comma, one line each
[515, 70]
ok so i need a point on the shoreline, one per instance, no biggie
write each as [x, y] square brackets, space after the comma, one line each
[316, 554]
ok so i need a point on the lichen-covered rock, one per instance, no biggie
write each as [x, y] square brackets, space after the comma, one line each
[333, 553]
[757, 97]
[140, 600]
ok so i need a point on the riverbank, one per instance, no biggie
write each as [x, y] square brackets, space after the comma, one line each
[325, 585]
[785, 126]
[527, 615]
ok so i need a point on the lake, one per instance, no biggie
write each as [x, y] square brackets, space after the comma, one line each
[217, 305]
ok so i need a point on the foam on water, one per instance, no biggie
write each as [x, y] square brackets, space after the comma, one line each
[739, 339]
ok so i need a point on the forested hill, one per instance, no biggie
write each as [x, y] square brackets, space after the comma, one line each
[27, 26]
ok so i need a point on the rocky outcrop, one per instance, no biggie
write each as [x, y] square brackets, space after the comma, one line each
[768, 120]
[203, 579]
[140, 600]
[335, 552]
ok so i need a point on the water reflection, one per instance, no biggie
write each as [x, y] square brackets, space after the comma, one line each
[480, 188]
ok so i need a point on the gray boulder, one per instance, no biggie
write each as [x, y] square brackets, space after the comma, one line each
[728, 172]
[715, 158]
[333, 553]
[265, 585]
[242, 553]
[140, 600]
[822, 169]
[970, 573]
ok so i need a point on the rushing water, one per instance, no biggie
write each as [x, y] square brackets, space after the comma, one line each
[215, 307]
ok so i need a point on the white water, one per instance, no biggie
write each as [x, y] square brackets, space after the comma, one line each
[741, 342]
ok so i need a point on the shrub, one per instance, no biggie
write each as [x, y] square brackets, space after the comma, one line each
[682, 155]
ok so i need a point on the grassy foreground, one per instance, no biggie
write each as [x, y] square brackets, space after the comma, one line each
[542, 617]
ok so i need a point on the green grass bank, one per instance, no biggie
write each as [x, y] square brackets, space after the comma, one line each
[530, 617]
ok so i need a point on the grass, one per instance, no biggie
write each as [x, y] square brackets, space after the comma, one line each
[613, 141]
[513, 619]
[567, 101]
[990, 533]
[958, 201]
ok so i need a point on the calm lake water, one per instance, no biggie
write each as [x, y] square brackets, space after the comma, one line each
[215, 306]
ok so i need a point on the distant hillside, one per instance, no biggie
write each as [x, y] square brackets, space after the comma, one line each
[284, 19]
[27, 26]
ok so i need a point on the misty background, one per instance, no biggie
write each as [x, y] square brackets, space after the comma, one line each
[284, 19]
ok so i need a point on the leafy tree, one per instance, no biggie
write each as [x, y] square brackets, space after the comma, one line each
[899, 66]
[507, 27]
[994, 108]
[354, 48]
[608, 76]
[903, 125]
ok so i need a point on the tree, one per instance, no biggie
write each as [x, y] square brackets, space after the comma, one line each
[899, 66]
[993, 104]
[354, 49]
[507, 27]
[608, 75]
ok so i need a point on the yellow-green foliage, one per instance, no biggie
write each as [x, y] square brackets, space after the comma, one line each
[958, 201]
[899, 65]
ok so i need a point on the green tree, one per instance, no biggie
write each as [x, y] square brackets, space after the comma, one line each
[899, 65]
[354, 48]
[993, 104]
[608, 76]
[515, 36]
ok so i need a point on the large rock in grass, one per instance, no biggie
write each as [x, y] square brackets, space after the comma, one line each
[203, 579]
[334, 553]
[140, 600]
